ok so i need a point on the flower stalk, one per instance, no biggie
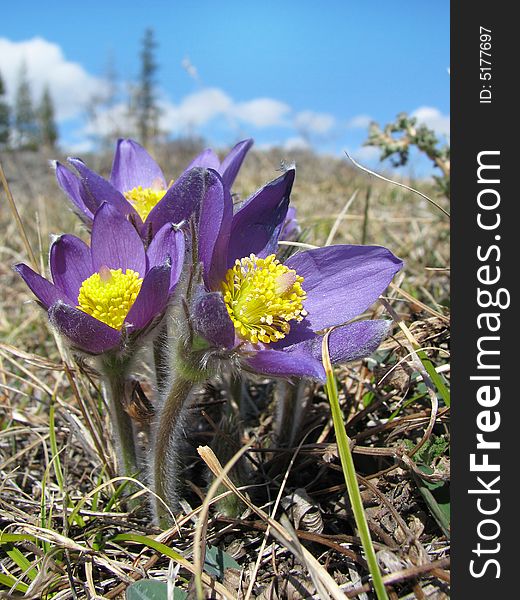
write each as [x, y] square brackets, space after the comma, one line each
[168, 435]
[114, 370]
[160, 356]
[186, 369]
[292, 402]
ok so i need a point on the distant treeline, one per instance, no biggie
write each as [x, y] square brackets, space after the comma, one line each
[29, 124]
[26, 125]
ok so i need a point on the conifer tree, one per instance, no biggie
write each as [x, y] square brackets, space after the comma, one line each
[47, 123]
[106, 126]
[5, 114]
[25, 122]
[145, 104]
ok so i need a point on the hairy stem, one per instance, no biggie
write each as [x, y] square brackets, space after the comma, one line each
[167, 437]
[292, 402]
[160, 355]
[114, 376]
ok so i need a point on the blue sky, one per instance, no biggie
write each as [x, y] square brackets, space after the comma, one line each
[289, 73]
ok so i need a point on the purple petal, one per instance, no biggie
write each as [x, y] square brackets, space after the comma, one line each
[100, 190]
[115, 242]
[207, 159]
[182, 199]
[211, 320]
[82, 330]
[255, 227]
[152, 298]
[233, 161]
[341, 281]
[296, 363]
[291, 228]
[168, 245]
[133, 167]
[44, 290]
[216, 213]
[347, 343]
[70, 264]
[351, 342]
[72, 185]
[291, 214]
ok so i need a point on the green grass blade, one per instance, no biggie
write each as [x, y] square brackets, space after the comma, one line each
[43, 510]
[151, 543]
[115, 496]
[349, 472]
[435, 377]
[21, 561]
[437, 497]
[54, 446]
[9, 538]
[11, 583]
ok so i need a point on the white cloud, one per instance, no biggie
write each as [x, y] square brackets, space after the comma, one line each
[114, 119]
[366, 154]
[195, 109]
[434, 119]
[193, 113]
[310, 122]
[70, 85]
[261, 112]
[360, 122]
[296, 143]
[198, 109]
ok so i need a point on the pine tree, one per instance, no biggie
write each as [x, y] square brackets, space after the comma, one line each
[105, 124]
[25, 123]
[48, 129]
[146, 109]
[5, 114]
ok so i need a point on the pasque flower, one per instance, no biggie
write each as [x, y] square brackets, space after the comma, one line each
[137, 187]
[291, 229]
[104, 295]
[270, 314]
[247, 309]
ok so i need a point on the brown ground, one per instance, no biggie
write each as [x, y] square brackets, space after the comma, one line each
[58, 491]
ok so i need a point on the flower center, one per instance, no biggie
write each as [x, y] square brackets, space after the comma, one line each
[144, 199]
[109, 295]
[261, 297]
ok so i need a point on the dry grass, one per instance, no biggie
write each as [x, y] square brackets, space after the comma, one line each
[73, 528]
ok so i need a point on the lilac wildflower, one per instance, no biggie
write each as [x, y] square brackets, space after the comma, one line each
[137, 187]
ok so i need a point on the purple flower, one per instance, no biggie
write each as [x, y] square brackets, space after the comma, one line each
[291, 229]
[137, 187]
[271, 314]
[104, 295]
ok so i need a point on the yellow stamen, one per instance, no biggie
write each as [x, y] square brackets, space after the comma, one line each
[144, 199]
[109, 295]
[261, 297]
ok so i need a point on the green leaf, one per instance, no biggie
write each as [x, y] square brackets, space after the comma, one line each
[434, 448]
[23, 563]
[151, 543]
[8, 538]
[367, 399]
[148, 589]
[217, 561]
[436, 494]
[349, 472]
[405, 404]
[437, 498]
[436, 377]
[9, 582]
